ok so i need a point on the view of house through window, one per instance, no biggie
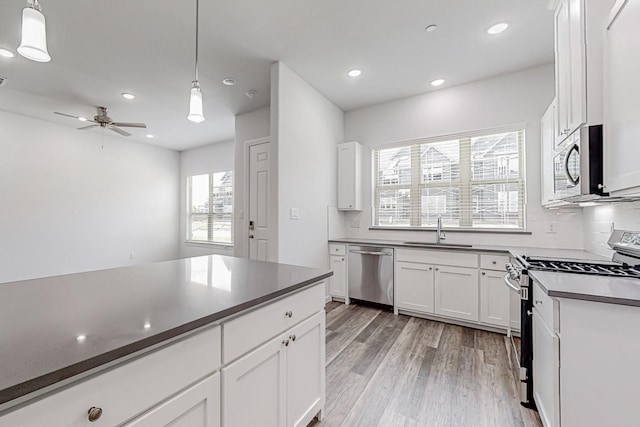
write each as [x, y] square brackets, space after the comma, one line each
[472, 181]
[210, 207]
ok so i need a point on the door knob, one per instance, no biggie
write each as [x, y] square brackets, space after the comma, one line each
[251, 236]
[94, 413]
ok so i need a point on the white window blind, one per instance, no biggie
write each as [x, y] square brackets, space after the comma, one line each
[210, 207]
[473, 181]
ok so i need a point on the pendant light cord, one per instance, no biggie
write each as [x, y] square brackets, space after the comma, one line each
[197, 21]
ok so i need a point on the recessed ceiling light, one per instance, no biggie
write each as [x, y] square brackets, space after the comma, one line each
[354, 73]
[82, 119]
[150, 136]
[128, 96]
[437, 82]
[431, 28]
[147, 325]
[251, 93]
[498, 28]
[81, 338]
[229, 81]
[6, 53]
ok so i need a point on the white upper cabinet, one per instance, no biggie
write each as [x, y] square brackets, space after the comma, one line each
[350, 176]
[579, 26]
[547, 144]
[570, 67]
[621, 97]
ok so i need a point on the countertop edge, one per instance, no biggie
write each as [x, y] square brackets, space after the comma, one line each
[593, 298]
[505, 250]
[67, 374]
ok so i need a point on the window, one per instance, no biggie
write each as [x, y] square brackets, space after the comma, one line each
[210, 208]
[472, 181]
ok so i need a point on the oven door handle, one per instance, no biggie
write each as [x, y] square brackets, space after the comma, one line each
[507, 281]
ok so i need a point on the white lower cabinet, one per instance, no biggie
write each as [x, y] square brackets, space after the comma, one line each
[414, 283]
[280, 383]
[198, 406]
[338, 282]
[494, 299]
[456, 292]
[546, 371]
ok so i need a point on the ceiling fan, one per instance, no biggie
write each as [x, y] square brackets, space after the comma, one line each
[105, 121]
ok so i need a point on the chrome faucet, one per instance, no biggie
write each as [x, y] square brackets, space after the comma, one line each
[440, 235]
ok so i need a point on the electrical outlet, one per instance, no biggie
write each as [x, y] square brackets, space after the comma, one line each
[294, 213]
[355, 223]
[132, 254]
[552, 227]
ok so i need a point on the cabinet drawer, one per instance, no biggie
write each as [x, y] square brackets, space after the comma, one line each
[493, 262]
[126, 390]
[255, 327]
[427, 256]
[337, 249]
[546, 307]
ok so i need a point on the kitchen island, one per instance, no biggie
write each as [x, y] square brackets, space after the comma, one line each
[148, 344]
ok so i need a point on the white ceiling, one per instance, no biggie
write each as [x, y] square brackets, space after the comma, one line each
[100, 49]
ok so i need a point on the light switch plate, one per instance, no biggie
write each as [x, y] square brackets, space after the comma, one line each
[294, 213]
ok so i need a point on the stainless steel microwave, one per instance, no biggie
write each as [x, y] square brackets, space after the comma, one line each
[578, 166]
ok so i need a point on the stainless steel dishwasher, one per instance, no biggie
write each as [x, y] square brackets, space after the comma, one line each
[371, 274]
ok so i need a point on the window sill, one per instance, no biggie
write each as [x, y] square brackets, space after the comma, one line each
[208, 244]
[455, 230]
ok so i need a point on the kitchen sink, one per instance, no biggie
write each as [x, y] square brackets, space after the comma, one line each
[440, 245]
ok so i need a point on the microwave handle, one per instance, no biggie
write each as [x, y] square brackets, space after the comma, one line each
[573, 180]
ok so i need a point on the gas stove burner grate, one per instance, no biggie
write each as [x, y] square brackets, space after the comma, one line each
[622, 270]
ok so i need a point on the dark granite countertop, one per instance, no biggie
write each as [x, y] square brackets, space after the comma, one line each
[122, 311]
[606, 289]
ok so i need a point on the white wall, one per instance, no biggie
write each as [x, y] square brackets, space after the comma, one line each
[306, 127]
[69, 205]
[249, 126]
[217, 157]
[599, 219]
[520, 97]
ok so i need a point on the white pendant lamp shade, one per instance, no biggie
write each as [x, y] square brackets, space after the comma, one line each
[195, 104]
[34, 36]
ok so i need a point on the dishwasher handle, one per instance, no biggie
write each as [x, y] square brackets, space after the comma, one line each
[372, 253]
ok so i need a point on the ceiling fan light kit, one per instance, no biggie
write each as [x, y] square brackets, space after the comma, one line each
[195, 102]
[33, 44]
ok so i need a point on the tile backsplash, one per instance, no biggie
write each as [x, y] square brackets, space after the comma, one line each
[599, 220]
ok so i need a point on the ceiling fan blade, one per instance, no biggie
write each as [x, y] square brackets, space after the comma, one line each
[87, 127]
[66, 115]
[118, 130]
[129, 125]
[74, 117]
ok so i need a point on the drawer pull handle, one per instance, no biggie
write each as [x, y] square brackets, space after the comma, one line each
[484, 274]
[94, 413]
[495, 262]
[285, 342]
[289, 314]
[538, 301]
[293, 337]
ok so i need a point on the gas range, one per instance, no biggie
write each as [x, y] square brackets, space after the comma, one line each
[581, 267]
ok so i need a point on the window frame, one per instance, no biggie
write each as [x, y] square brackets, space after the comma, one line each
[465, 183]
[211, 214]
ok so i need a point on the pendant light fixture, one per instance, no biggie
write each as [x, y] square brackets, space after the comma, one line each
[195, 103]
[33, 45]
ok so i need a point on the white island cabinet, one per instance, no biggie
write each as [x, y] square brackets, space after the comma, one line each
[271, 373]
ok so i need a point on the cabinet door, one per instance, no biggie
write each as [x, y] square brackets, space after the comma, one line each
[198, 406]
[456, 292]
[337, 282]
[494, 299]
[349, 176]
[570, 66]
[621, 95]
[254, 388]
[305, 371]
[547, 146]
[546, 372]
[414, 286]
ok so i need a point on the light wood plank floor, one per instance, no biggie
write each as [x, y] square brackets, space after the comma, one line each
[386, 370]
